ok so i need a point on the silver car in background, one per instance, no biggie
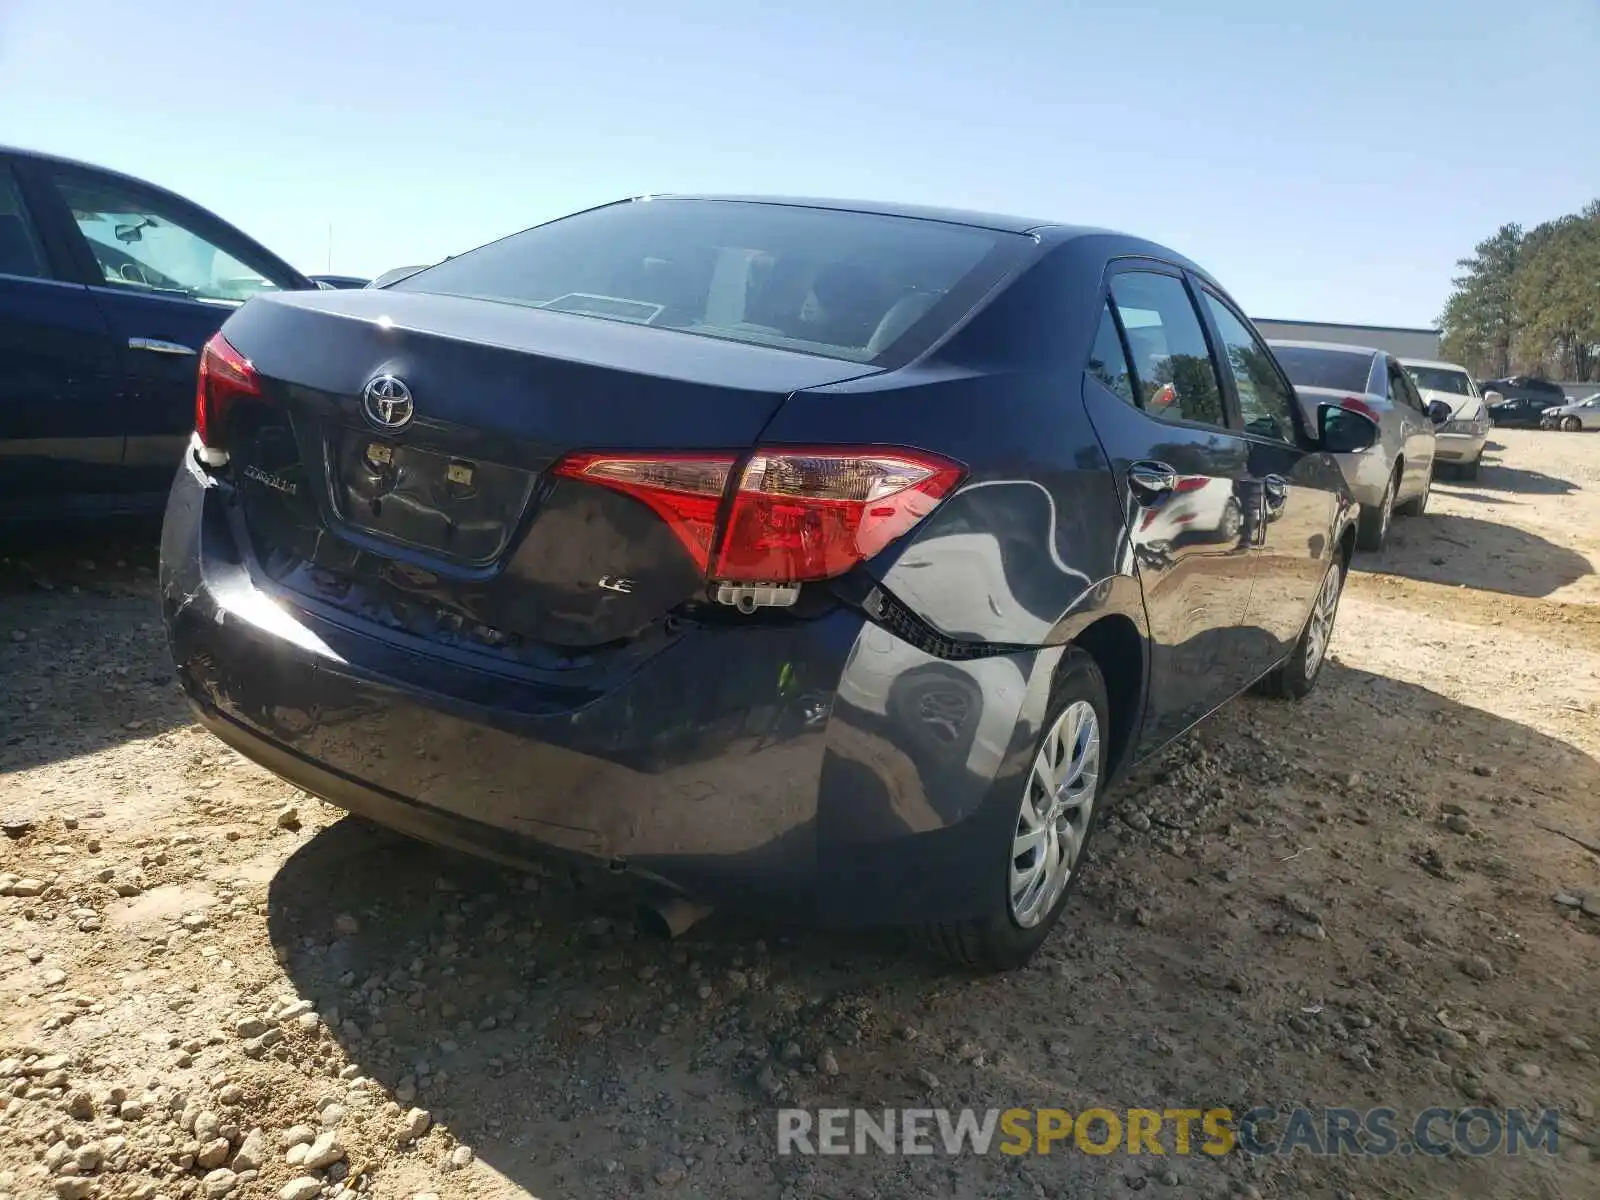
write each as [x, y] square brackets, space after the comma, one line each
[1395, 475]
[1575, 417]
[1459, 441]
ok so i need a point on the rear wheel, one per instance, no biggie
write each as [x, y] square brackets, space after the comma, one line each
[1418, 505]
[1054, 819]
[1372, 530]
[1294, 678]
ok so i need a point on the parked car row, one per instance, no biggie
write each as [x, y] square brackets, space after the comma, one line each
[829, 558]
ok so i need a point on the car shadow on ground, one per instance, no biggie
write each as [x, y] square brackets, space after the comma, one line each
[1493, 477]
[81, 650]
[577, 1056]
[1475, 553]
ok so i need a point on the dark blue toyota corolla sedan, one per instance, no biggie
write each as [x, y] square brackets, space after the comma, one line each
[826, 557]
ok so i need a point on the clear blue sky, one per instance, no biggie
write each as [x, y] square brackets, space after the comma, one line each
[1325, 160]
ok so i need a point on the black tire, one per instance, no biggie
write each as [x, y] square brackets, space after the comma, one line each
[995, 942]
[1467, 470]
[1571, 425]
[1418, 505]
[1372, 528]
[1290, 680]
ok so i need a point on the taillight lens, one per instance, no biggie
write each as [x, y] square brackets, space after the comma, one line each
[801, 515]
[797, 515]
[225, 377]
[1356, 405]
[683, 490]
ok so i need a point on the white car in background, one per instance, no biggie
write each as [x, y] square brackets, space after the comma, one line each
[1458, 443]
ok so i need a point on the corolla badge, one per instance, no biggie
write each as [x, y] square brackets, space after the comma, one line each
[387, 402]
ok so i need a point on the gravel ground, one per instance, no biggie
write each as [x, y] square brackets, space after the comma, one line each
[212, 985]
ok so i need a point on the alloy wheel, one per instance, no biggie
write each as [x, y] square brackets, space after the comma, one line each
[1320, 630]
[1057, 807]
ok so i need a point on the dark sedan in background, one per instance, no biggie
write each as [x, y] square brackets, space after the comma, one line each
[1521, 400]
[784, 553]
[109, 287]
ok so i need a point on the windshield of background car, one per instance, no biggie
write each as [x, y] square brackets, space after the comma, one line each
[1345, 370]
[1441, 379]
[849, 285]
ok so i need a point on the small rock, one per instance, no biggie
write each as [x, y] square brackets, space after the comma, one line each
[231, 1095]
[1456, 823]
[296, 1135]
[414, 1124]
[769, 1083]
[219, 1182]
[131, 1110]
[88, 1156]
[23, 887]
[1484, 770]
[213, 1154]
[1529, 1070]
[1451, 1038]
[927, 1078]
[207, 1125]
[1575, 1043]
[251, 1027]
[194, 922]
[345, 925]
[298, 1009]
[296, 1156]
[80, 1105]
[1568, 900]
[1452, 810]
[288, 817]
[827, 1063]
[332, 1115]
[406, 1090]
[325, 1151]
[1591, 906]
[252, 1152]
[307, 1187]
[74, 1188]
[257, 1046]
[461, 1157]
[1137, 821]
[1478, 967]
[53, 977]
[15, 825]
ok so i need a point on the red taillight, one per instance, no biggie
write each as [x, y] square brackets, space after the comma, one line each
[684, 490]
[225, 376]
[1191, 483]
[796, 515]
[814, 514]
[1355, 405]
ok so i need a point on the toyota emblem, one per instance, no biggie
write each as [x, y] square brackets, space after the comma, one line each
[387, 402]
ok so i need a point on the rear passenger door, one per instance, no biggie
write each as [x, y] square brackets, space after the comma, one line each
[60, 420]
[1182, 469]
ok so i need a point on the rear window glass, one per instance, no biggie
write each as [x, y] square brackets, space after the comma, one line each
[1346, 370]
[856, 286]
[1441, 379]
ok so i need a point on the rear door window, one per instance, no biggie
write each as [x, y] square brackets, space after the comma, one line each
[859, 286]
[20, 250]
[1108, 361]
[1266, 401]
[1174, 374]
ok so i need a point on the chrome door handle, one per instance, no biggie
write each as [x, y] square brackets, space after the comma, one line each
[1276, 487]
[157, 346]
[1152, 478]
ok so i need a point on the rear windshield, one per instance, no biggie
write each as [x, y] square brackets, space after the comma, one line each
[848, 285]
[1346, 370]
[1441, 379]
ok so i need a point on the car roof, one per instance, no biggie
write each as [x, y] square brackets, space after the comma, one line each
[998, 222]
[1434, 362]
[63, 161]
[1348, 349]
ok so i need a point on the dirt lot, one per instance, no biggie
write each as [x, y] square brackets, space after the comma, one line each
[1376, 897]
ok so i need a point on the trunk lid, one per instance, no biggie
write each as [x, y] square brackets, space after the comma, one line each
[449, 526]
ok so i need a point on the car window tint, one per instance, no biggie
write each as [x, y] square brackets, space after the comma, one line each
[1314, 366]
[1107, 361]
[849, 285]
[20, 251]
[1172, 363]
[142, 248]
[1265, 400]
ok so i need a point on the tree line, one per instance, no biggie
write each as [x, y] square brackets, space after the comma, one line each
[1528, 302]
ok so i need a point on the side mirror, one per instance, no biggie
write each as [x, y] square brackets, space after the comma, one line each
[1341, 431]
[1493, 398]
[1439, 412]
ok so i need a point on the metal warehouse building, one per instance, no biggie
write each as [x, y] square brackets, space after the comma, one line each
[1404, 343]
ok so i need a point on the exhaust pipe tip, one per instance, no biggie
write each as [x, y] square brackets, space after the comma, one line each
[671, 918]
